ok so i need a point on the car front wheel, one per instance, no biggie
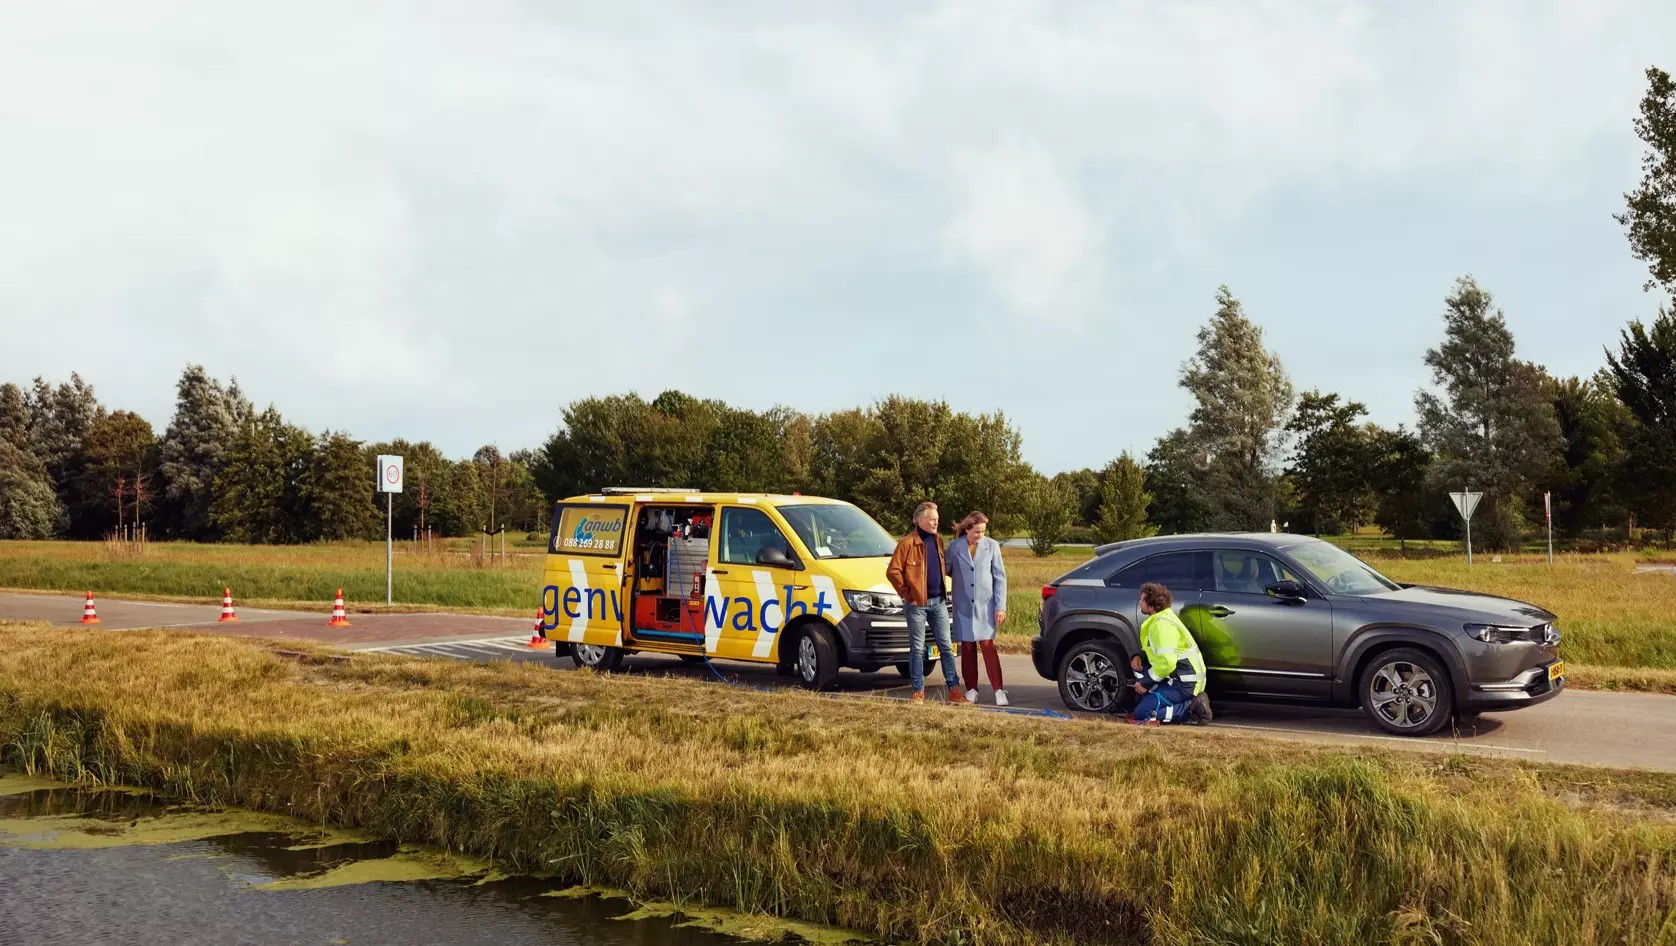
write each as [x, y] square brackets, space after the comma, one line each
[1094, 677]
[1407, 693]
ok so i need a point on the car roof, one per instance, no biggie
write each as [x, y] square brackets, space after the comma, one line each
[1194, 540]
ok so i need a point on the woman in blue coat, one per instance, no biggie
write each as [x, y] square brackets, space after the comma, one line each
[979, 581]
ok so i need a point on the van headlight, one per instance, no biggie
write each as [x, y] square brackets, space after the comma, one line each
[872, 602]
[1503, 634]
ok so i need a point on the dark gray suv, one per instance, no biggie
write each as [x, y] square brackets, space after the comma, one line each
[1286, 617]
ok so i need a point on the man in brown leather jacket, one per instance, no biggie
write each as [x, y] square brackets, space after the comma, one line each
[919, 574]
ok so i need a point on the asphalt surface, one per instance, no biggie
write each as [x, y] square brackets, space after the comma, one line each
[1626, 730]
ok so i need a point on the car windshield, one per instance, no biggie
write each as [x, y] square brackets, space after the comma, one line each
[1341, 572]
[838, 530]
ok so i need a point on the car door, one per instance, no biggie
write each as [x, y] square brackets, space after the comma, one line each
[1258, 643]
[1183, 573]
[746, 610]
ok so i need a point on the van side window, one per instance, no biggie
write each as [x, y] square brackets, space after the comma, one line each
[746, 532]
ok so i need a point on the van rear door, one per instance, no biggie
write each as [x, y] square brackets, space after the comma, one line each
[585, 597]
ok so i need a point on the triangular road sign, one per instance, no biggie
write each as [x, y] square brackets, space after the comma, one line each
[1465, 503]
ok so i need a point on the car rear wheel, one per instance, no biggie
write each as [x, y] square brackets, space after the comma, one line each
[1094, 677]
[597, 657]
[1407, 693]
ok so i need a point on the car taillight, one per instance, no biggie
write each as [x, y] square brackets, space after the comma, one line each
[1048, 591]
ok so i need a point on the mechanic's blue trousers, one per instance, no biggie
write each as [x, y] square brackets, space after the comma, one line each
[1165, 703]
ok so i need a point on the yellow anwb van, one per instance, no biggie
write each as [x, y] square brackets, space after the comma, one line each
[794, 581]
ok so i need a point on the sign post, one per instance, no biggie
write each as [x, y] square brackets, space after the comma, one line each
[1465, 503]
[389, 483]
[1548, 511]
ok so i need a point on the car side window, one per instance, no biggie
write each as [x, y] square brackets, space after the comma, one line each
[1177, 571]
[745, 532]
[1247, 573]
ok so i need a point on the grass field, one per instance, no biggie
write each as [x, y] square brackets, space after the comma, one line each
[923, 825]
[1612, 617]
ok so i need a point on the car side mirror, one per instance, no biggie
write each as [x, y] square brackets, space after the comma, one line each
[775, 558]
[1287, 590]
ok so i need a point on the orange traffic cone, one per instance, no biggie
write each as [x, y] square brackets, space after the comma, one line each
[338, 618]
[89, 615]
[227, 612]
[538, 636]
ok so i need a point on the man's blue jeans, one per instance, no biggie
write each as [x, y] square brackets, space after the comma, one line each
[937, 615]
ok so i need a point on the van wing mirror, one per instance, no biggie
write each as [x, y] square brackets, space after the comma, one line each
[1287, 590]
[774, 558]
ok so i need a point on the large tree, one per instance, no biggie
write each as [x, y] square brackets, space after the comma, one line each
[1594, 426]
[60, 420]
[1400, 470]
[1491, 427]
[1048, 508]
[1643, 371]
[1331, 462]
[29, 507]
[258, 494]
[1178, 478]
[119, 475]
[1242, 396]
[208, 417]
[1123, 502]
[1650, 217]
[338, 489]
[14, 417]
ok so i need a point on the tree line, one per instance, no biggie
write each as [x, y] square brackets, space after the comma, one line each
[1253, 451]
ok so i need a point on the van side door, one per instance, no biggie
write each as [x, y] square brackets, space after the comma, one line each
[585, 597]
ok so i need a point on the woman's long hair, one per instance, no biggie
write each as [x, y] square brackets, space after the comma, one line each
[972, 519]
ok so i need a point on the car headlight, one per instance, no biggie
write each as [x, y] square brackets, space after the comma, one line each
[872, 602]
[1503, 634]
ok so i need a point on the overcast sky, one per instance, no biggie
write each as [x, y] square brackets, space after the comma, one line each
[448, 224]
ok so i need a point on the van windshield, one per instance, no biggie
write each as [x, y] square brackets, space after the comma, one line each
[838, 531]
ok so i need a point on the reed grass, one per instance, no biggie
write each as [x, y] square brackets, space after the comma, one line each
[924, 825]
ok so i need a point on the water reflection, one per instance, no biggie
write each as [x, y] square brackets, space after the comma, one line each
[121, 881]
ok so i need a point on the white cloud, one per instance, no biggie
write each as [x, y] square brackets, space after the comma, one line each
[445, 188]
[1025, 227]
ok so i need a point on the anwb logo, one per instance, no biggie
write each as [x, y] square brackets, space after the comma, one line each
[587, 528]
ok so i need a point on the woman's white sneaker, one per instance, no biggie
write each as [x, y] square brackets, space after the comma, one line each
[1000, 697]
[972, 695]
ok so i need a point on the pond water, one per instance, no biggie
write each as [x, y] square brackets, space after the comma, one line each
[90, 868]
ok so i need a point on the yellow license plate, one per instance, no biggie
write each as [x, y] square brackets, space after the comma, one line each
[1556, 670]
[935, 653]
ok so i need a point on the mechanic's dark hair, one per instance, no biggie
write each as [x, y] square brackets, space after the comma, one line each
[1156, 596]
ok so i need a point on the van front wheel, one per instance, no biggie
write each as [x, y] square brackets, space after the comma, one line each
[815, 658]
[597, 657]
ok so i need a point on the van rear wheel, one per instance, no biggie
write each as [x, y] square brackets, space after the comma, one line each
[597, 657]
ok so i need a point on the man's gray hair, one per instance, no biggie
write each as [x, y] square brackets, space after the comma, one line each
[923, 508]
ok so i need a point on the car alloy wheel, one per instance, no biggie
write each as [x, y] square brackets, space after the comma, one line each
[1093, 682]
[1403, 694]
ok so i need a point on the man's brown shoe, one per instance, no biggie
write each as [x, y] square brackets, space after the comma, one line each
[917, 698]
[955, 696]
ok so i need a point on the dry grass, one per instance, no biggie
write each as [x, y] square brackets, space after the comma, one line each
[926, 825]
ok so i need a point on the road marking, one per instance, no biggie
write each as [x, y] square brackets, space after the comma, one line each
[1405, 740]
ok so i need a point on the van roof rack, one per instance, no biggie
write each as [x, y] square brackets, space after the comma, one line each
[620, 490]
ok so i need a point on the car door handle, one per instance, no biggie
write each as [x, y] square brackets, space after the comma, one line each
[1218, 611]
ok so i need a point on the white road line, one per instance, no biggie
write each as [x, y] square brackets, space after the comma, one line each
[1405, 740]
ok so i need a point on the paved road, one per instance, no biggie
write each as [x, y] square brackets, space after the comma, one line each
[1617, 729]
